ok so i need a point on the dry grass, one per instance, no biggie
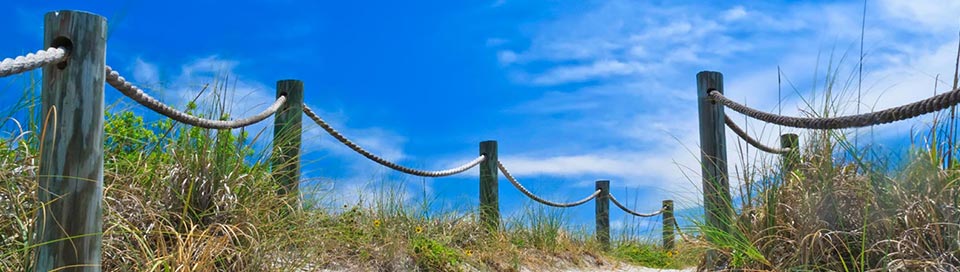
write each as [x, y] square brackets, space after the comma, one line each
[187, 199]
[847, 207]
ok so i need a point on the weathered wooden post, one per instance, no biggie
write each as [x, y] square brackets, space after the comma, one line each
[718, 208]
[788, 164]
[792, 158]
[287, 136]
[70, 223]
[603, 213]
[668, 223]
[489, 189]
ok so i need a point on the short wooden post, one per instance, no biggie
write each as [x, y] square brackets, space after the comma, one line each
[718, 207]
[603, 213]
[668, 223]
[792, 158]
[788, 164]
[287, 136]
[70, 223]
[489, 189]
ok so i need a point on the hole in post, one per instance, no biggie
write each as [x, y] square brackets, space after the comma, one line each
[67, 45]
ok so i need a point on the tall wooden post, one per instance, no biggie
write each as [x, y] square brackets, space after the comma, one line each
[489, 189]
[287, 136]
[603, 213]
[668, 223]
[718, 208]
[70, 223]
[792, 158]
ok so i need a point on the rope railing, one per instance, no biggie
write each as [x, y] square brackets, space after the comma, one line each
[416, 172]
[31, 61]
[539, 199]
[932, 104]
[627, 210]
[121, 84]
[750, 140]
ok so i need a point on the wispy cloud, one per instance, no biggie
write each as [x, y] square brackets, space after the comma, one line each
[625, 86]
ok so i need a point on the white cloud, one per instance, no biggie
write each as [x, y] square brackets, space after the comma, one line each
[597, 70]
[145, 73]
[735, 13]
[631, 114]
[933, 15]
[506, 57]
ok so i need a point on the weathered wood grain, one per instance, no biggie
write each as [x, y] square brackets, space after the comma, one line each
[668, 224]
[287, 137]
[489, 189]
[602, 213]
[69, 226]
[718, 208]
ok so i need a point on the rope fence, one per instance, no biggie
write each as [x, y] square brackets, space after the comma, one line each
[716, 188]
[76, 90]
[540, 199]
[628, 210]
[31, 61]
[131, 91]
[932, 104]
[750, 140]
[416, 172]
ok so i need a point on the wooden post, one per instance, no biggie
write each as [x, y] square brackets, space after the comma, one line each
[668, 223]
[718, 209]
[70, 223]
[788, 164]
[489, 199]
[792, 158]
[287, 136]
[603, 213]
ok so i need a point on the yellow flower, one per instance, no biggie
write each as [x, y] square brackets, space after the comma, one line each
[669, 253]
[468, 252]
[376, 223]
[418, 229]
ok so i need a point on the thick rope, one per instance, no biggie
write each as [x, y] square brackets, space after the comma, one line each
[750, 140]
[932, 104]
[384, 162]
[624, 208]
[31, 61]
[541, 200]
[121, 84]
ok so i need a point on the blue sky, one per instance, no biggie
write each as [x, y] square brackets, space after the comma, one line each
[574, 91]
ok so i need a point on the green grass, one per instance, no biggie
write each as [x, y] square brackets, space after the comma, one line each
[847, 207]
[178, 198]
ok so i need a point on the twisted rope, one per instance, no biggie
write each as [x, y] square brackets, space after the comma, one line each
[682, 235]
[541, 200]
[750, 140]
[932, 104]
[624, 208]
[384, 162]
[31, 61]
[121, 84]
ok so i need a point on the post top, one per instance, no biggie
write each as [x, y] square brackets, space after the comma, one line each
[58, 13]
[290, 81]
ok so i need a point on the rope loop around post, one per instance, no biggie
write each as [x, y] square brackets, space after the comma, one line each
[539, 199]
[356, 148]
[133, 92]
[932, 104]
